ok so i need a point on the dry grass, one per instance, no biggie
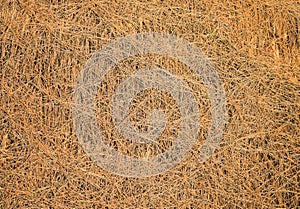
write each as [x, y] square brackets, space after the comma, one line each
[254, 46]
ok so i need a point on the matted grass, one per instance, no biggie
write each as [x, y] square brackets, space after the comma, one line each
[254, 46]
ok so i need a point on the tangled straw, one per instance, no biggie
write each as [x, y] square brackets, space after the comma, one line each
[84, 98]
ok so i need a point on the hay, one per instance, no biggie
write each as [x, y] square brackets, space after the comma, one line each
[254, 46]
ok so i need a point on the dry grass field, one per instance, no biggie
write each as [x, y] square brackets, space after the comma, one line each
[254, 47]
